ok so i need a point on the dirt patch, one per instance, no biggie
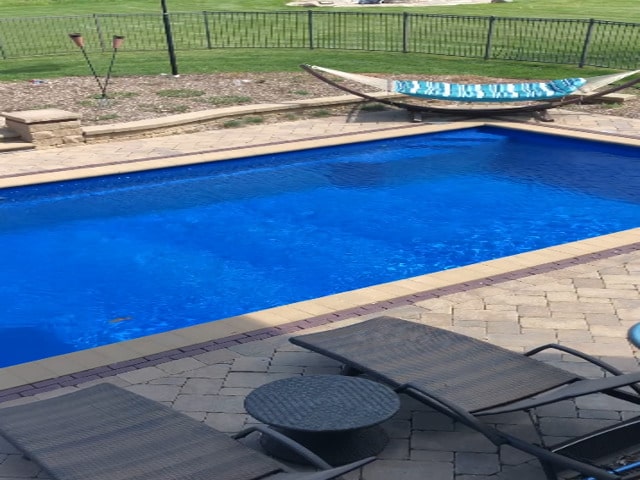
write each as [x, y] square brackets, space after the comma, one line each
[146, 97]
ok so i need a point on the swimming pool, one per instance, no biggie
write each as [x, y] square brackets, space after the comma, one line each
[98, 261]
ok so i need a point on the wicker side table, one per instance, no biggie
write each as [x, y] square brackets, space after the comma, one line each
[336, 417]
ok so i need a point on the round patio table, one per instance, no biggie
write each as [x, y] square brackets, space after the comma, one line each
[335, 417]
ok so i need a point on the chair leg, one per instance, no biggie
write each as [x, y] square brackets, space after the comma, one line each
[349, 371]
[549, 471]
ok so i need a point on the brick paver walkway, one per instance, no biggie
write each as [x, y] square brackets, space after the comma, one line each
[588, 305]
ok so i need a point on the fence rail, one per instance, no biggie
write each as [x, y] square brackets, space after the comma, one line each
[581, 42]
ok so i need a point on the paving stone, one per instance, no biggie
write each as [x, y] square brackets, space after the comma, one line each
[250, 364]
[527, 341]
[143, 375]
[521, 472]
[603, 402]
[566, 408]
[571, 427]
[432, 421]
[201, 386]
[574, 336]
[451, 441]
[600, 414]
[398, 428]
[217, 357]
[512, 456]
[251, 379]
[226, 422]
[485, 315]
[396, 449]
[537, 311]
[305, 358]
[289, 369]
[607, 293]
[568, 296]
[503, 327]
[263, 348]
[209, 403]
[413, 470]
[581, 306]
[476, 463]
[210, 371]
[181, 365]
[553, 323]
[431, 456]
[159, 393]
[588, 283]
[241, 392]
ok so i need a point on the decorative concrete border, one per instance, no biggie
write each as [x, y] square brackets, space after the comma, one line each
[78, 378]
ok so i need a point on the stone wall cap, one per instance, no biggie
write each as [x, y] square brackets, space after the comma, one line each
[40, 116]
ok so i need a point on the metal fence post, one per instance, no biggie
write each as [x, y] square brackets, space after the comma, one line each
[310, 28]
[167, 31]
[489, 42]
[207, 31]
[587, 42]
[405, 32]
[96, 21]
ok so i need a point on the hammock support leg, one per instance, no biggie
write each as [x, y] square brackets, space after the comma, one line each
[543, 116]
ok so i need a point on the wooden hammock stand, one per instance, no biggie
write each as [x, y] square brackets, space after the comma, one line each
[538, 110]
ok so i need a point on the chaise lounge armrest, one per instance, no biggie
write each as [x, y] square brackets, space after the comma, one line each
[580, 388]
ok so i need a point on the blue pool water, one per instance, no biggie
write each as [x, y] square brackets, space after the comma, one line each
[97, 261]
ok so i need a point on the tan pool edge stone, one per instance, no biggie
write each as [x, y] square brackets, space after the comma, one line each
[52, 367]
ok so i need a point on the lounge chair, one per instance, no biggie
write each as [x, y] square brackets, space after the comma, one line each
[466, 378]
[108, 433]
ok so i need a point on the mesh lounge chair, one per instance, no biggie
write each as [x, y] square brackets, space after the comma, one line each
[107, 433]
[467, 378]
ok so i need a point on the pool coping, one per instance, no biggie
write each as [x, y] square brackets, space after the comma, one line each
[79, 367]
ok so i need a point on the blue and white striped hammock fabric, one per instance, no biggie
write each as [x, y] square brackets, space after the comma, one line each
[488, 92]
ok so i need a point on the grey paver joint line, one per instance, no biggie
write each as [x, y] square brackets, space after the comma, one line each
[142, 362]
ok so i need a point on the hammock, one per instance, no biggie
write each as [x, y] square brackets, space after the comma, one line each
[487, 99]
[484, 92]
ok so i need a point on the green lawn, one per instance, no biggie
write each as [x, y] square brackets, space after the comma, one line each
[256, 60]
[226, 59]
[616, 10]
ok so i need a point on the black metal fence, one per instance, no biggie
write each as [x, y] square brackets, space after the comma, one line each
[580, 42]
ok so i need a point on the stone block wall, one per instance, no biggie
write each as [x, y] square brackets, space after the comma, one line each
[46, 127]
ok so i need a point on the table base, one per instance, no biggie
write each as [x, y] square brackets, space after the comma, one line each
[336, 448]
